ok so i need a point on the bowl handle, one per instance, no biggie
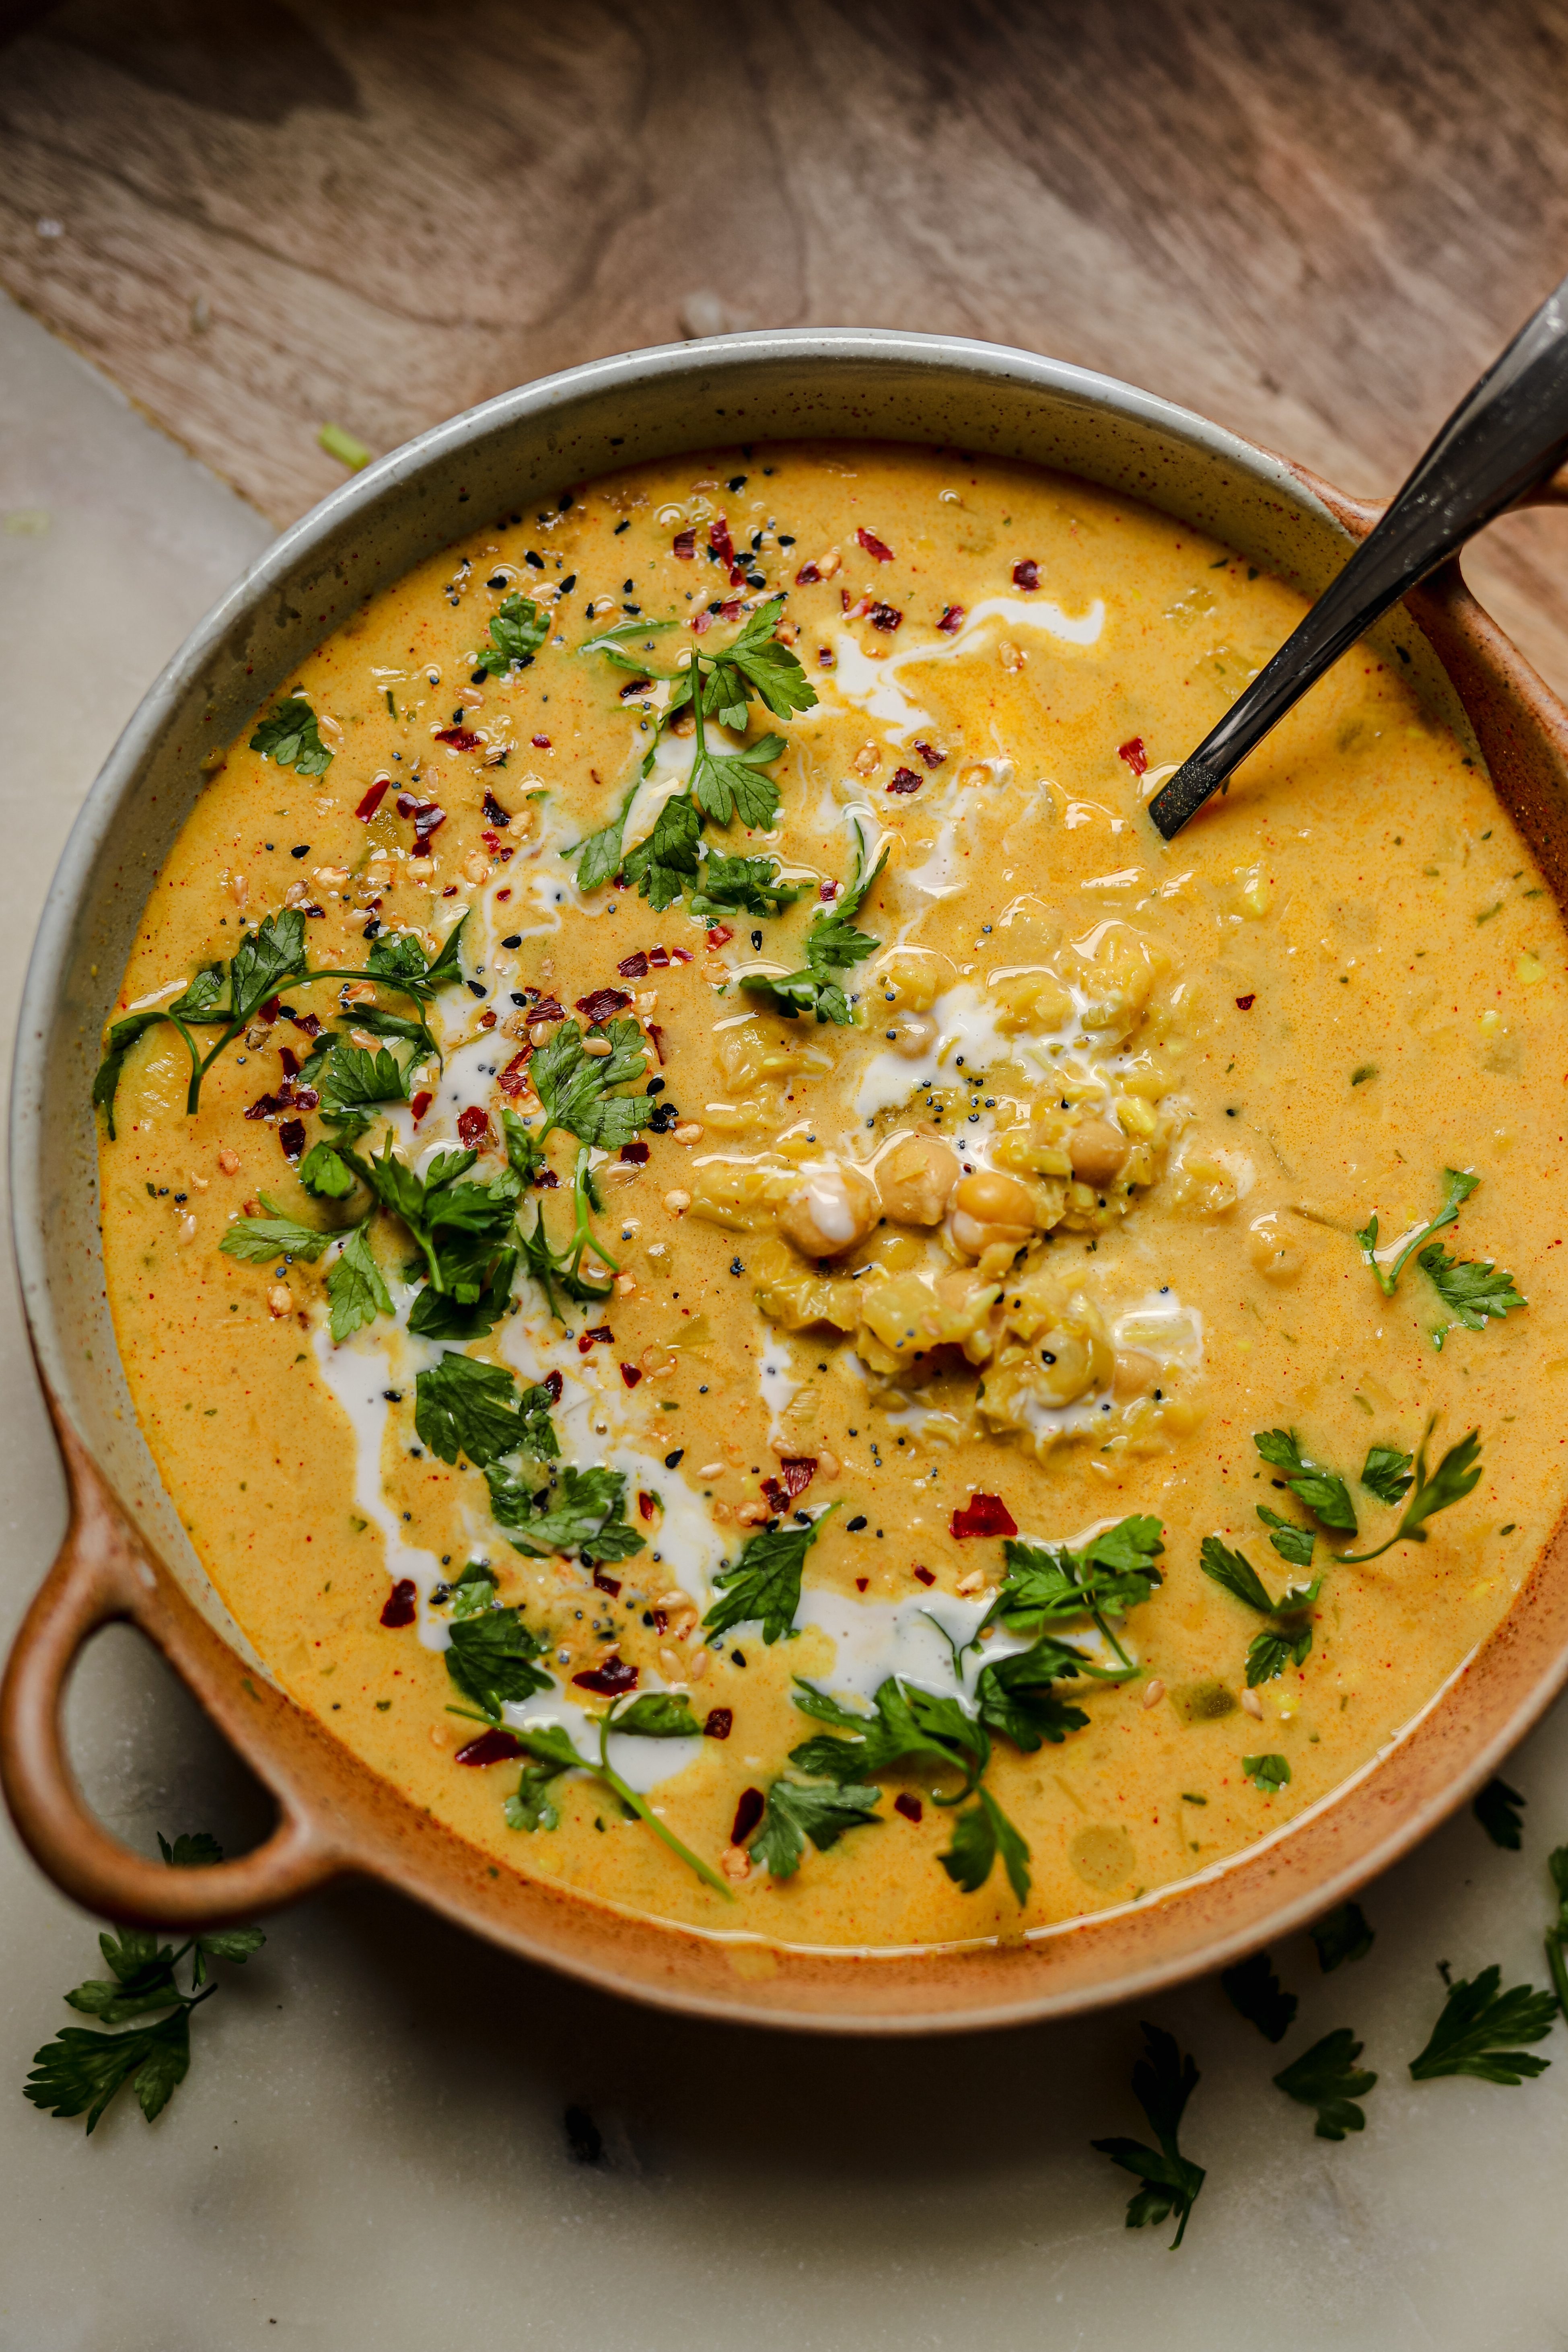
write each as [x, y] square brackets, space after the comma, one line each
[101, 1577]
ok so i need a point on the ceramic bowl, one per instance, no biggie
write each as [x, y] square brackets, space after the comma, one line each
[126, 1555]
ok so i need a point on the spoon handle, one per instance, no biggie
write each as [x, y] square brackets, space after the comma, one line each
[1508, 434]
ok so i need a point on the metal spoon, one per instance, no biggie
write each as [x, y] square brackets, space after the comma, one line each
[1508, 434]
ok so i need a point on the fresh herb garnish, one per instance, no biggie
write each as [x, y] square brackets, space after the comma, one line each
[1500, 1812]
[356, 1290]
[256, 1241]
[463, 1231]
[1457, 1474]
[658, 1715]
[820, 1811]
[324, 1174]
[1262, 1999]
[1460, 1186]
[741, 886]
[1386, 1472]
[1472, 1289]
[1557, 1934]
[1327, 2077]
[763, 1585]
[1480, 2027]
[1324, 1492]
[831, 945]
[979, 1835]
[518, 628]
[1287, 1640]
[907, 1723]
[1294, 1543]
[1267, 1773]
[1163, 2082]
[289, 735]
[80, 2073]
[583, 1513]
[465, 1407]
[491, 1652]
[574, 1088]
[1045, 1584]
[1343, 1934]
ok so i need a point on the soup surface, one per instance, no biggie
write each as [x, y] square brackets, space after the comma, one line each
[767, 1303]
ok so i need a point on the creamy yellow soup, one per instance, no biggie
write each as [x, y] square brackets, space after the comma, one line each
[823, 1368]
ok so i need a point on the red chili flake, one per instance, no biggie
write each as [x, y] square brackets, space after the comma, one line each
[925, 1576]
[606, 1583]
[493, 812]
[660, 1621]
[747, 1814]
[729, 610]
[491, 1747]
[629, 1373]
[660, 959]
[546, 1181]
[513, 1079]
[657, 1033]
[500, 894]
[610, 1679]
[374, 798]
[778, 1501]
[807, 576]
[554, 1383]
[904, 780]
[486, 1019]
[1243, 1003]
[932, 759]
[829, 892]
[290, 1062]
[634, 687]
[420, 1105]
[721, 1723]
[272, 1008]
[719, 540]
[798, 1471]
[861, 1583]
[291, 1136]
[683, 546]
[887, 617]
[400, 1606]
[634, 1154]
[492, 843]
[875, 546]
[678, 955]
[305, 1021]
[952, 621]
[720, 935]
[855, 608]
[700, 623]
[549, 1008]
[908, 1806]
[602, 1004]
[264, 1107]
[633, 967]
[984, 1515]
[646, 1504]
[591, 1338]
[461, 738]
[1027, 572]
[474, 1128]
[1134, 754]
[307, 1098]
[540, 743]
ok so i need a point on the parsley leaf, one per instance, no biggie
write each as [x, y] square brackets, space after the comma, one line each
[355, 1288]
[979, 1835]
[1292, 1542]
[1327, 2077]
[466, 1407]
[1262, 1999]
[80, 2072]
[551, 1753]
[820, 1811]
[582, 1513]
[1385, 1472]
[517, 629]
[1457, 1474]
[832, 944]
[1557, 1933]
[573, 1087]
[1288, 1639]
[772, 669]
[1015, 1695]
[1163, 2082]
[1267, 1773]
[1044, 1584]
[1460, 1186]
[1343, 1934]
[1325, 1495]
[599, 854]
[907, 1722]
[1500, 1811]
[1471, 1287]
[352, 1079]
[656, 1715]
[742, 885]
[763, 1585]
[730, 784]
[324, 1175]
[289, 735]
[257, 1240]
[491, 1658]
[666, 861]
[1478, 2027]
[1235, 1572]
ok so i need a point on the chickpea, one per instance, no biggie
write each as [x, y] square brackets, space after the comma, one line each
[831, 1211]
[914, 1177]
[991, 1208]
[1098, 1151]
[1137, 1373]
[913, 1035]
[1274, 1255]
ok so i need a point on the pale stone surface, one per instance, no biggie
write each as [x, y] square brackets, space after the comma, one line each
[370, 2151]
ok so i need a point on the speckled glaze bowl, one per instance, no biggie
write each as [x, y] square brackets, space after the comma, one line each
[126, 1555]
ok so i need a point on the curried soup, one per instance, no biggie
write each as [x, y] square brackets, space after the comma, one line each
[757, 1295]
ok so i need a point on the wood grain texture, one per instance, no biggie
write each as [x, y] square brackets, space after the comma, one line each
[1314, 222]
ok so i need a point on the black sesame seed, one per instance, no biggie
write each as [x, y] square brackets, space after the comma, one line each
[853, 1527]
[673, 1461]
[477, 988]
[737, 482]
[300, 849]
[496, 579]
[512, 940]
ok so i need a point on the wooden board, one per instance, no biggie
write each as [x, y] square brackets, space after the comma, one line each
[1313, 222]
